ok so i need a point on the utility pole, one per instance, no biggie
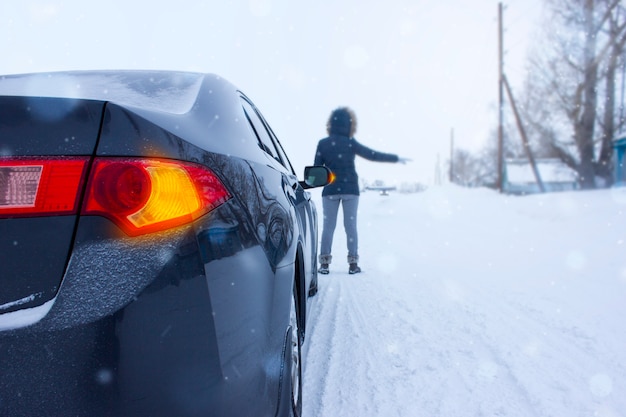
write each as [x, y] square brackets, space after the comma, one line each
[525, 141]
[500, 100]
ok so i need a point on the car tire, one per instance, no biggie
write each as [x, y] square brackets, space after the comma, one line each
[296, 357]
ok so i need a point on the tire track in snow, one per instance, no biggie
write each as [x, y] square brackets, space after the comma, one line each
[335, 353]
[464, 363]
[321, 332]
[382, 354]
[353, 365]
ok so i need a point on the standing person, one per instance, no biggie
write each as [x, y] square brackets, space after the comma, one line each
[337, 152]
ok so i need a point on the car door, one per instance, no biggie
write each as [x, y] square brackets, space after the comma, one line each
[299, 199]
[307, 215]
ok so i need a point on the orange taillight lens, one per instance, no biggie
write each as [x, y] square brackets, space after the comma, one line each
[146, 195]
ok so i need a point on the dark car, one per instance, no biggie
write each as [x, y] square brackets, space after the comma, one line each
[157, 251]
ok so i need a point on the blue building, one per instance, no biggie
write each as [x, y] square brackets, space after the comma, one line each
[619, 151]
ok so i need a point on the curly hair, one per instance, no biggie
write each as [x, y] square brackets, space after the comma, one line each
[342, 120]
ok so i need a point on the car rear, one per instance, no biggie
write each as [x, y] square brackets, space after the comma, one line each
[111, 226]
[98, 261]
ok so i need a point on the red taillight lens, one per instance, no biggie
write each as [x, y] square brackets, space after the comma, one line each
[120, 187]
[143, 196]
[42, 186]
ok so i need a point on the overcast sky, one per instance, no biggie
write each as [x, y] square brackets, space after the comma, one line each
[412, 70]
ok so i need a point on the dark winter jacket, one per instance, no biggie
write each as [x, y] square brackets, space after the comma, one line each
[338, 152]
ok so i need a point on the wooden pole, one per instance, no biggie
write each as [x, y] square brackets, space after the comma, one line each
[522, 132]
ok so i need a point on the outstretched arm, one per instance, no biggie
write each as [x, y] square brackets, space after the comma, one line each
[367, 153]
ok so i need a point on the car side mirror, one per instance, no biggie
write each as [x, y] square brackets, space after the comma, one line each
[317, 176]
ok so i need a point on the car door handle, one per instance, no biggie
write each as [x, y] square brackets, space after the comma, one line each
[290, 187]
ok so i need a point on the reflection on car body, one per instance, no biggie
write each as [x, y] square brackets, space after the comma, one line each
[157, 250]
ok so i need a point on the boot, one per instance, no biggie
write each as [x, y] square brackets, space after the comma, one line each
[354, 269]
[325, 261]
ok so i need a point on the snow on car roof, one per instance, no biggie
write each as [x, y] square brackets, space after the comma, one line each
[167, 91]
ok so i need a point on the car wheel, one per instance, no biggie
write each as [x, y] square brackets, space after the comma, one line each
[296, 359]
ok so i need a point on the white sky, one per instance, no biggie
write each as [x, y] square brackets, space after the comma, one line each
[413, 70]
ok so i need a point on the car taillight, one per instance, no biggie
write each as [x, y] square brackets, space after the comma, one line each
[146, 195]
[139, 195]
[42, 186]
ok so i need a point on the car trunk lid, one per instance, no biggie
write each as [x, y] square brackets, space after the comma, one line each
[45, 150]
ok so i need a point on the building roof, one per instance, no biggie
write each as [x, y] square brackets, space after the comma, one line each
[551, 170]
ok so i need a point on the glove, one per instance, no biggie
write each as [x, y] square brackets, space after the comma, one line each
[403, 160]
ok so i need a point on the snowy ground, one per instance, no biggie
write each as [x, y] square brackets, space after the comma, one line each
[474, 304]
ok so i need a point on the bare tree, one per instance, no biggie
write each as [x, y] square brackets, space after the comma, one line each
[464, 172]
[480, 168]
[617, 40]
[584, 41]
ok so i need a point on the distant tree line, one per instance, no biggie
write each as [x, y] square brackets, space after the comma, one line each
[572, 102]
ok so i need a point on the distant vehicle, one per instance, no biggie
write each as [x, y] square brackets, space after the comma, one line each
[157, 249]
[384, 190]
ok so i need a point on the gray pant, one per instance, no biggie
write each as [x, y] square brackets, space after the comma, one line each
[350, 205]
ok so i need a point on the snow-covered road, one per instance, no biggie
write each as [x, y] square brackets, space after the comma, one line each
[474, 304]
